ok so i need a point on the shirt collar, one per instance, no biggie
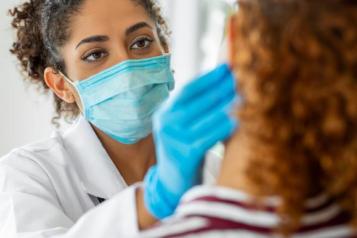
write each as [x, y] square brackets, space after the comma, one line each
[207, 192]
[225, 193]
[98, 173]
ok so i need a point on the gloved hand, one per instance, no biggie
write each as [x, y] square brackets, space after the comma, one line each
[184, 129]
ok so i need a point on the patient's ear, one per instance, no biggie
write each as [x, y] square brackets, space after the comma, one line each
[231, 38]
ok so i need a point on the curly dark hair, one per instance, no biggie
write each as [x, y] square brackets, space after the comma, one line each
[42, 28]
[296, 67]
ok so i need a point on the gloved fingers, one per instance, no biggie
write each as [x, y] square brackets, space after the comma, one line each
[189, 117]
[206, 125]
[218, 132]
[179, 146]
[197, 127]
[217, 90]
[226, 107]
[203, 104]
[211, 122]
[202, 84]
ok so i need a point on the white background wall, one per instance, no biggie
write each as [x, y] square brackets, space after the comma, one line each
[25, 115]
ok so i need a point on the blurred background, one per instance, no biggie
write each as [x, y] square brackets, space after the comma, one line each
[197, 38]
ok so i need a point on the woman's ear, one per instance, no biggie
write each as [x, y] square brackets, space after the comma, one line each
[231, 38]
[58, 85]
[166, 48]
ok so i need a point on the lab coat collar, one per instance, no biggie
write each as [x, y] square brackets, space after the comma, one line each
[98, 173]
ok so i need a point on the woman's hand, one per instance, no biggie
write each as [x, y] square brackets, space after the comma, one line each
[184, 129]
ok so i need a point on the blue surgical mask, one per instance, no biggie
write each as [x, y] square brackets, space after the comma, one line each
[121, 100]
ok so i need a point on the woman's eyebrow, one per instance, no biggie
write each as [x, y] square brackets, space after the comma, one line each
[97, 38]
[102, 38]
[136, 27]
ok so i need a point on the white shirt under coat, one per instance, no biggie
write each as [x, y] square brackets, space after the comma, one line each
[50, 189]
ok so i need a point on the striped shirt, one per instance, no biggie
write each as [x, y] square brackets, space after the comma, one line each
[207, 211]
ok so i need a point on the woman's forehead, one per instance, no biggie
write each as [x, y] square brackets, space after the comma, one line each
[103, 16]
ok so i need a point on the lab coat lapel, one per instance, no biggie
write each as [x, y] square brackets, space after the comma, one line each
[98, 173]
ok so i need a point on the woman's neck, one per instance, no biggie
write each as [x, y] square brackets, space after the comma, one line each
[232, 173]
[132, 161]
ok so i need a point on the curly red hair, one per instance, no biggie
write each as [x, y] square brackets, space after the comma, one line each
[296, 67]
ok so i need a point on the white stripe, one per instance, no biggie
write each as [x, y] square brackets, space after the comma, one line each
[238, 196]
[321, 216]
[251, 217]
[175, 226]
[226, 193]
[231, 212]
[316, 201]
[332, 232]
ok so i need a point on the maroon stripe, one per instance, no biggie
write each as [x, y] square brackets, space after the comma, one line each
[252, 206]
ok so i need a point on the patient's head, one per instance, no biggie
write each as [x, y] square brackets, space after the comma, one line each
[296, 67]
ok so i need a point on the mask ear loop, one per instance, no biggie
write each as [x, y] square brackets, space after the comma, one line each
[73, 85]
[173, 83]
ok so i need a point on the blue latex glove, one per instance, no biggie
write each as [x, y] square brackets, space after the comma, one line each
[184, 129]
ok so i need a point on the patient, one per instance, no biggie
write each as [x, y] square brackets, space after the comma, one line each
[291, 168]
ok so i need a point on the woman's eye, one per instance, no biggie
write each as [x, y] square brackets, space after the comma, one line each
[94, 56]
[142, 43]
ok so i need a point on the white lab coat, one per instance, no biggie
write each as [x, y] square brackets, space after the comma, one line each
[50, 189]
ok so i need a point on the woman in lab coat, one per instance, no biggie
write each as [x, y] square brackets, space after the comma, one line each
[106, 63]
